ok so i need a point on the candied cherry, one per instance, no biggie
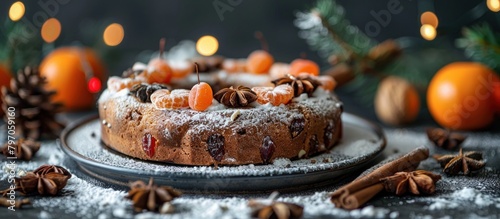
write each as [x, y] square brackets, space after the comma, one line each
[201, 95]
[165, 99]
[158, 69]
[117, 84]
[304, 66]
[278, 95]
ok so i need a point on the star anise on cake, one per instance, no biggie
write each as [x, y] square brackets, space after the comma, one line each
[23, 149]
[240, 96]
[142, 92]
[301, 84]
[269, 208]
[151, 196]
[463, 162]
[415, 182]
[445, 138]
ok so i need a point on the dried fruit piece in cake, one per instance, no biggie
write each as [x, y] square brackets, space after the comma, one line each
[165, 99]
[117, 84]
[201, 95]
[267, 149]
[278, 95]
[215, 146]
[304, 66]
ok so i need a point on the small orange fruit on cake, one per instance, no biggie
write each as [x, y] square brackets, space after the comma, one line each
[259, 62]
[278, 95]
[165, 99]
[303, 66]
[201, 95]
[460, 96]
[160, 73]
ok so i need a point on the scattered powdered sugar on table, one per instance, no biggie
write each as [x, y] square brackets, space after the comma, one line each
[472, 197]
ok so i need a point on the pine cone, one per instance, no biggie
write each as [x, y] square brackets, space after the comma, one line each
[34, 113]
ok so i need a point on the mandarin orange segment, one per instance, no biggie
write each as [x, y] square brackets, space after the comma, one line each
[278, 95]
[259, 62]
[303, 66]
[117, 84]
[200, 96]
[165, 99]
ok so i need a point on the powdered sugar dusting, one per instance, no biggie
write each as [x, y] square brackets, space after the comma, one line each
[345, 154]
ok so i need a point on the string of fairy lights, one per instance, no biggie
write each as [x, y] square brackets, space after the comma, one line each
[114, 33]
[112, 36]
[430, 21]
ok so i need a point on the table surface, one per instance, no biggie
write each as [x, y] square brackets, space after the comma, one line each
[456, 196]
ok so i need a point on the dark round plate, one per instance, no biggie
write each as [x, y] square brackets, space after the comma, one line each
[362, 142]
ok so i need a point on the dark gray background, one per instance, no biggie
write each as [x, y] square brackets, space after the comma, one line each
[147, 21]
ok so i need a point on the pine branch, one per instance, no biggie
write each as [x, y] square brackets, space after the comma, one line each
[481, 44]
[326, 29]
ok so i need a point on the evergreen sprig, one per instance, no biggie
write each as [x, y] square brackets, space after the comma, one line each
[19, 45]
[481, 44]
[326, 29]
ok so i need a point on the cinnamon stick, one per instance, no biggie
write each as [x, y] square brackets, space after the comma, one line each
[361, 190]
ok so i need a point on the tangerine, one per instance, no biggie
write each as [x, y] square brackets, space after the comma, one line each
[460, 96]
[67, 70]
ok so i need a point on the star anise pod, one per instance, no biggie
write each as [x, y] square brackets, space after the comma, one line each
[266, 209]
[23, 149]
[45, 169]
[415, 182]
[236, 97]
[143, 91]
[301, 84]
[151, 196]
[444, 138]
[46, 184]
[463, 162]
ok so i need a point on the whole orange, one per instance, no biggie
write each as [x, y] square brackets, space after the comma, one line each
[68, 70]
[460, 96]
[496, 94]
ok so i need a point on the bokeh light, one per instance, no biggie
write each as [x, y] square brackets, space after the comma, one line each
[16, 11]
[113, 34]
[493, 5]
[428, 32]
[430, 18]
[207, 45]
[51, 30]
[94, 85]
